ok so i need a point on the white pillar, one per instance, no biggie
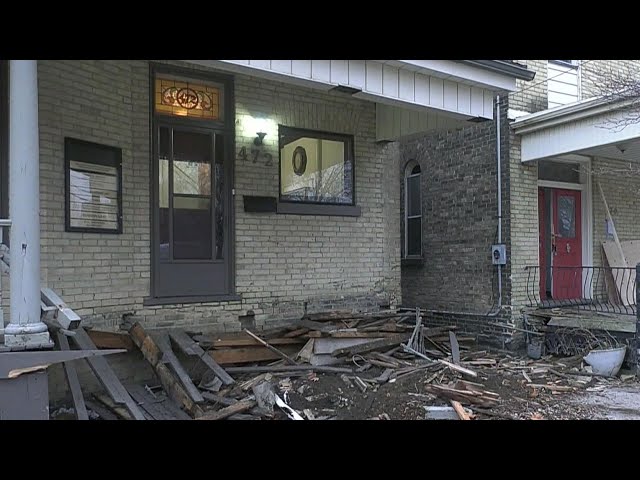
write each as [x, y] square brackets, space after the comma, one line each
[25, 328]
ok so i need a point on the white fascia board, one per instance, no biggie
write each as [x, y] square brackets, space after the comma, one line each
[465, 73]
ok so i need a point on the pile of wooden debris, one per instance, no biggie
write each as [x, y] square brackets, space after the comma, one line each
[248, 375]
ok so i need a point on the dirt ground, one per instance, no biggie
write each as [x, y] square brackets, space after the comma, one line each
[327, 396]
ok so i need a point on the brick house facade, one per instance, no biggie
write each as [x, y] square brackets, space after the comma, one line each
[282, 264]
[459, 201]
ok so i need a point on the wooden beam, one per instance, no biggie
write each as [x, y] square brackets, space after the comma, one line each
[374, 345]
[245, 355]
[110, 339]
[107, 376]
[73, 381]
[171, 385]
[283, 355]
[164, 344]
[187, 345]
[289, 368]
[462, 414]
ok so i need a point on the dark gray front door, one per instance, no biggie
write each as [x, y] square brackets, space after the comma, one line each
[191, 227]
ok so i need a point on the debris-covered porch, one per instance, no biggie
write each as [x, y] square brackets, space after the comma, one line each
[331, 366]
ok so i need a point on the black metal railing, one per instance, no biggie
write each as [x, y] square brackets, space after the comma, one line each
[601, 289]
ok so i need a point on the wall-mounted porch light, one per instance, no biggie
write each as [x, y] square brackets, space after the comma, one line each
[260, 137]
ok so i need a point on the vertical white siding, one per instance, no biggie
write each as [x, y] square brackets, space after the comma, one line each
[562, 84]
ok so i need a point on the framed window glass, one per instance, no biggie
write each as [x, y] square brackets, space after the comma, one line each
[316, 167]
[93, 179]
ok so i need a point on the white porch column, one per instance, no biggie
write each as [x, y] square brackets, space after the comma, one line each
[25, 328]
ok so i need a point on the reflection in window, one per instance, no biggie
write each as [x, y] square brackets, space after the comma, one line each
[315, 167]
[566, 216]
[413, 211]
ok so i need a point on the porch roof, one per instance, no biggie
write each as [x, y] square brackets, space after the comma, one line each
[411, 96]
[594, 127]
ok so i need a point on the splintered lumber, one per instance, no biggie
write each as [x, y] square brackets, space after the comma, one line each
[72, 380]
[116, 408]
[458, 368]
[110, 339]
[168, 357]
[281, 354]
[462, 414]
[238, 407]
[294, 333]
[171, 385]
[467, 396]
[289, 368]
[107, 377]
[369, 346]
[219, 399]
[187, 345]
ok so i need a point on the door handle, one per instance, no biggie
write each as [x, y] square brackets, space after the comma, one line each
[568, 248]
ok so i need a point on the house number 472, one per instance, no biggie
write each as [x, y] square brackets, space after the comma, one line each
[256, 154]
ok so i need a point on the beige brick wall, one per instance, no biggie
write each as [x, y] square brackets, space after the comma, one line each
[282, 261]
[531, 96]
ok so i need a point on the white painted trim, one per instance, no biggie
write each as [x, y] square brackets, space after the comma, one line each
[562, 185]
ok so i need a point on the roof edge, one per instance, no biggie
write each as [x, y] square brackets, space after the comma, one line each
[520, 72]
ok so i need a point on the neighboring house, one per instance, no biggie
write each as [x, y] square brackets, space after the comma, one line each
[220, 193]
[557, 145]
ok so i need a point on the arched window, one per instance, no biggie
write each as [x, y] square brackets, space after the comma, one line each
[412, 211]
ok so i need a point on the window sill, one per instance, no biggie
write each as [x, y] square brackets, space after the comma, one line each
[318, 209]
[412, 262]
[152, 301]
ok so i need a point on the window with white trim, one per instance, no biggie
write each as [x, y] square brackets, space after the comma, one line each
[563, 82]
[412, 211]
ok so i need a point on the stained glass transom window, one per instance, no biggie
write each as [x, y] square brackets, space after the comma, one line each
[187, 99]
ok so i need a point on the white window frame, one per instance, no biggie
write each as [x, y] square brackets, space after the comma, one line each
[407, 175]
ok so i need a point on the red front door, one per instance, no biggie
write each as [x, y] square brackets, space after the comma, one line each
[566, 245]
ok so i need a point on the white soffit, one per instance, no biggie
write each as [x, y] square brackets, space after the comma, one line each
[443, 86]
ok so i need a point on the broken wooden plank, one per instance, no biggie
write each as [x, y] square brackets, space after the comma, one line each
[238, 407]
[323, 359]
[458, 368]
[460, 411]
[281, 354]
[329, 344]
[286, 368]
[455, 348]
[72, 380]
[306, 352]
[246, 355]
[295, 333]
[103, 339]
[186, 344]
[226, 342]
[169, 382]
[374, 345]
[169, 357]
[107, 376]
[226, 401]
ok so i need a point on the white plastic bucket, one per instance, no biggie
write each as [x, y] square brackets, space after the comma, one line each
[606, 362]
